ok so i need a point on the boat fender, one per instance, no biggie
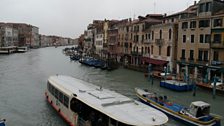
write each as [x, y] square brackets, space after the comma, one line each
[183, 112]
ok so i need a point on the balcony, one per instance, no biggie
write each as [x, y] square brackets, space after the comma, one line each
[148, 41]
[216, 63]
[203, 62]
[217, 45]
[135, 53]
[191, 59]
[182, 59]
[159, 42]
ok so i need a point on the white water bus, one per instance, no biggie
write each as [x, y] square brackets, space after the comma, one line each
[83, 104]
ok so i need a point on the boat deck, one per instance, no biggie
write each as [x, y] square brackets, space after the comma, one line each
[115, 105]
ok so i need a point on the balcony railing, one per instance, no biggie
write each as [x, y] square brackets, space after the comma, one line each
[216, 63]
[183, 59]
[159, 42]
[217, 44]
[147, 41]
[136, 53]
[191, 59]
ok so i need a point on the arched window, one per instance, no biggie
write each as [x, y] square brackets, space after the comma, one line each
[170, 34]
[160, 48]
[160, 34]
[168, 50]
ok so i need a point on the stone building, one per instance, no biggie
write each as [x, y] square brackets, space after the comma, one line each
[194, 38]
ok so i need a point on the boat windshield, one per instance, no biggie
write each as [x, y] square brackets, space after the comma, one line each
[203, 111]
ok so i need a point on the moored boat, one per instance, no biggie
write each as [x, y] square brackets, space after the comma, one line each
[82, 103]
[198, 114]
[209, 86]
[2, 122]
[22, 49]
[176, 85]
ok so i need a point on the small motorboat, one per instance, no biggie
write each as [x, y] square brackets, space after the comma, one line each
[198, 114]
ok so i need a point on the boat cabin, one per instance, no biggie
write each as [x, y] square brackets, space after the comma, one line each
[199, 109]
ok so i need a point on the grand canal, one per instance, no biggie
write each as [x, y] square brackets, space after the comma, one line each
[23, 82]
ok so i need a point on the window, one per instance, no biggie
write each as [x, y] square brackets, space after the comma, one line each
[200, 55]
[130, 45]
[192, 38]
[61, 97]
[170, 34]
[183, 54]
[205, 55]
[48, 86]
[201, 38]
[217, 38]
[207, 38]
[217, 22]
[149, 36]
[160, 34]
[142, 50]
[208, 7]
[148, 49]
[216, 56]
[191, 54]
[152, 35]
[204, 23]
[184, 25]
[146, 36]
[66, 100]
[193, 24]
[151, 49]
[56, 93]
[159, 50]
[53, 90]
[168, 51]
[184, 38]
[201, 7]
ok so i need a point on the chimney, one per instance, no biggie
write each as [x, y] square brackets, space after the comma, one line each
[165, 15]
[195, 2]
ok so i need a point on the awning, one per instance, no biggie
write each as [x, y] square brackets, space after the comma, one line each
[154, 61]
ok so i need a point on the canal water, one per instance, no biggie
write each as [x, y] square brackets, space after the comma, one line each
[23, 80]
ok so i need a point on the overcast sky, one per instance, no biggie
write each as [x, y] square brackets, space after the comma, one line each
[69, 18]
